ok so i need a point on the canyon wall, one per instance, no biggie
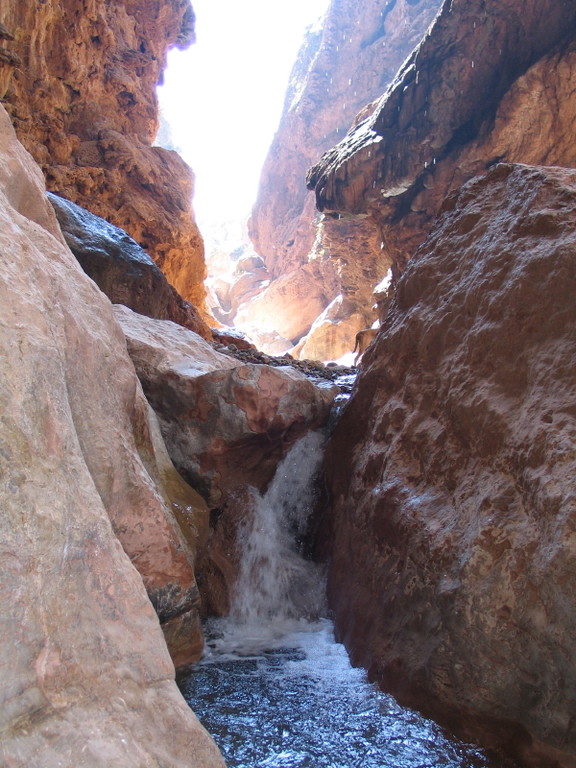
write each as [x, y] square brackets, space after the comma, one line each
[79, 79]
[344, 64]
[89, 500]
[453, 518]
[491, 82]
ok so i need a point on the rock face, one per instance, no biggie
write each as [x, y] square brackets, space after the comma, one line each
[451, 473]
[226, 423]
[86, 677]
[121, 268]
[83, 102]
[343, 65]
[492, 81]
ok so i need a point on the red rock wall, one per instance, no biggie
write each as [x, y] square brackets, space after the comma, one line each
[453, 516]
[493, 81]
[82, 99]
[344, 65]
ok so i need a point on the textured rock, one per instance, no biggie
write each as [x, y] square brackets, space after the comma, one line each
[343, 65]
[491, 81]
[121, 268]
[451, 473]
[83, 101]
[86, 677]
[226, 424]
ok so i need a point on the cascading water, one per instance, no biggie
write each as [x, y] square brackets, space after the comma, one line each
[275, 689]
[278, 591]
[275, 582]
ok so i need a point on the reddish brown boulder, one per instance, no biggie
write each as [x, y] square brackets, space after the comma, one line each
[453, 514]
[83, 102]
[226, 423]
[492, 81]
[87, 500]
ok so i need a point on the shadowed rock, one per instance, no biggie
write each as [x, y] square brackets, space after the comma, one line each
[451, 473]
[491, 81]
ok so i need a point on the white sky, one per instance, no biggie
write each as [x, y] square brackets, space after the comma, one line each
[224, 95]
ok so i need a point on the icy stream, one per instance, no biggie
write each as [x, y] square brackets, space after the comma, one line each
[275, 689]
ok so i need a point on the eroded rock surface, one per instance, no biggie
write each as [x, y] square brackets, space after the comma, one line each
[83, 101]
[492, 81]
[121, 268]
[86, 488]
[451, 473]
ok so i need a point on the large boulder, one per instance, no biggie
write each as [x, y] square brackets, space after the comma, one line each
[453, 513]
[121, 268]
[226, 423]
[86, 675]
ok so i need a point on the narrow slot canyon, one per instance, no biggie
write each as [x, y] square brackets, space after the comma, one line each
[287, 413]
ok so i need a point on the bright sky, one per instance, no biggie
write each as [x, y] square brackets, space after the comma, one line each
[224, 95]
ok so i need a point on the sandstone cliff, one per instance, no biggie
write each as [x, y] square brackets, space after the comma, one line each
[491, 82]
[82, 99]
[451, 473]
[87, 488]
[344, 64]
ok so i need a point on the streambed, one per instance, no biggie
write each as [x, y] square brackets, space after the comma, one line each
[274, 688]
[303, 705]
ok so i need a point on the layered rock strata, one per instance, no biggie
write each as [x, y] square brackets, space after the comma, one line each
[492, 81]
[82, 98]
[87, 488]
[344, 64]
[453, 514]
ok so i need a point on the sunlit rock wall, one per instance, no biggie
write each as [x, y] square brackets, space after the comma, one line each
[346, 62]
[88, 498]
[451, 473]
[83, 101]
[493, 81]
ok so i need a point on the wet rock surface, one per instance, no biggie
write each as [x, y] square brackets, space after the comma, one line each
[121, 268]
[453, 512]
[88, 499]
[226, 418]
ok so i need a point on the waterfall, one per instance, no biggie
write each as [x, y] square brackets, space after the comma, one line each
[278, 590]
[275, 689]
